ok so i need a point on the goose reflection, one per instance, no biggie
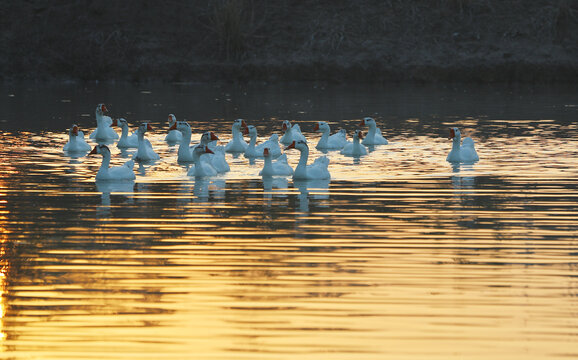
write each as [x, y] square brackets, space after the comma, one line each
[274, 186]
[203, 187]
[306, 187]
[108, 187]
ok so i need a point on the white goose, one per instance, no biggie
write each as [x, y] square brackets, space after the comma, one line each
[115, 173]
[316, 171]
[355, 148]
[373, 136]
[103, 131]
[184, 153]
[217, 157]
[464, 153]
[254, 150]
[125, 140]
[76, 142]
[174, 136]
[330, 142]
[201, 167]
[278, 168]
[145, 150]
[291, 133]
[237, 143]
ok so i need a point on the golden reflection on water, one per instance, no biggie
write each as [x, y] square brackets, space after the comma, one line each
[401, 255]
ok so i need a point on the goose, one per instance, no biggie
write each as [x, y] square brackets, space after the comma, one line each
[174, 136]
[466, 152]
[355, 148]
[103, 131]
[237, 143]
[278, 168]
[291, 133]
[145, 150]
[201, 166]
[118, 173]
[334, 142]
[316, 171]
[217, 157]
[184, 153]
[76, 142]
[125, 140]
[373, 136]
[254, 150]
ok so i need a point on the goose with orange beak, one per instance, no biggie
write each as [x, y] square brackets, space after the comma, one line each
[76, 142]
[145, 150]
[461, 152]
[237, 143]
[316, 171]
[373, 136]
[103, 132]
[355, 148]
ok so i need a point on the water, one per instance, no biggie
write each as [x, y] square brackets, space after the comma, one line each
[399, 256]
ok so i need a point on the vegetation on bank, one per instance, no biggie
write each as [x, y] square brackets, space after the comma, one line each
[362, 40]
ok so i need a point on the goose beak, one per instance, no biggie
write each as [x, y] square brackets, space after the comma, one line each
[75, 130]
[208, 151]
[360, 135]
[214, 137]
[452, 134]
[245, 131]
[266, 152]
[114, 122]
[173, 127]
[103, 108]
[243, 123]
[292, 146]
[316, 128]
[362, 123]
[284, 126]
[149, 128]
[93, 151]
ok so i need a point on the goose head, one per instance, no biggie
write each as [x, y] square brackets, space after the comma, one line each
[144, 127]
[181, 126]
[101, 109]
[73, 131]
[454, 133]
[321, 126]
[121, 122]
[266, 152]
[358, 134]
[367, 121]
[100, 149]
[286, 125]
[200, 150]
[239, 124]
[172, 119]
[250, 130]
[299, 145]
[208, 136]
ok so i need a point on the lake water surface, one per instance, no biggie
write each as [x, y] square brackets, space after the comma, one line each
[400, 256]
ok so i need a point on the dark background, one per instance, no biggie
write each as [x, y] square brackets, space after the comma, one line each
[333, 40]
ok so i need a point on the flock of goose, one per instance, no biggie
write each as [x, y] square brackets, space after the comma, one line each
[208, 159]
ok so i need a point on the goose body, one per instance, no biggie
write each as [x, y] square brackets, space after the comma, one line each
[461, 152]
[201, 166]
[237, 143]
[316, 171]
[145, 150]
[330, 142]
[184, 153]
[76, 142]
[173, 136]
[116, 173]
[103, 131]
[217, 157]
[373, 136]
[279, 167]
[291, 133]
[355, 148]
[254, 150]
[125, 140]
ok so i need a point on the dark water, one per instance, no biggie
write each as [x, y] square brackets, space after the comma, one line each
[401, 255]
